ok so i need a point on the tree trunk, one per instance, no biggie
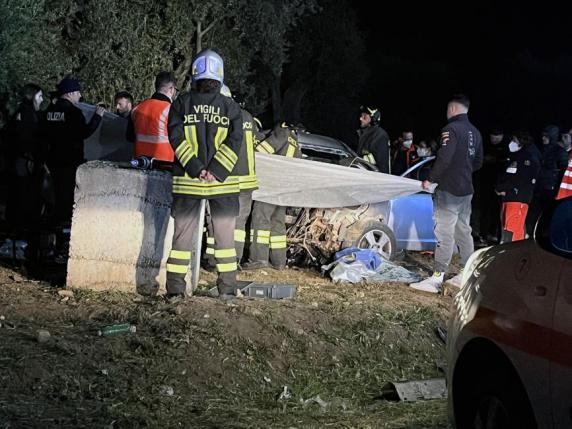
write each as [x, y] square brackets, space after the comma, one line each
[276, 100]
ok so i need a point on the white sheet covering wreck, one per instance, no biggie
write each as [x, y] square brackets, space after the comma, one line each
[283, 181]
[303, 183]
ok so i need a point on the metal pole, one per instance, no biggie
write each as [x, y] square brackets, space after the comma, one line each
[196, 260]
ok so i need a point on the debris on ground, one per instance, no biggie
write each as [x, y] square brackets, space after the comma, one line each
[416, 390]
[43, 336]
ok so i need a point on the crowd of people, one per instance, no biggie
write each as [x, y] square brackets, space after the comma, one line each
[488, 192]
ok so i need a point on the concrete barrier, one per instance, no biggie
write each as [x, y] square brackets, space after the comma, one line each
[121, 228]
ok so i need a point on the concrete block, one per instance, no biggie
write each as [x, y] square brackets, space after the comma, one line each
[121, 228]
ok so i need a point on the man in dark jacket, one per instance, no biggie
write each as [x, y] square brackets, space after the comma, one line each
[373, 143]
[405, 154]
[553, 164]
[516, 186]
[460, 155]
[65, 131]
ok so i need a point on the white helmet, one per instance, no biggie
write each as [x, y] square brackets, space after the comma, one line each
[208, 65]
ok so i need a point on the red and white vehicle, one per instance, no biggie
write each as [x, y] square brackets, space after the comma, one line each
[509, 344]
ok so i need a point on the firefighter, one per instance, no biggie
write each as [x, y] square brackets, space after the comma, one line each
[373, 145]
[148, 126]
[268, 224]
[205, 131]
[248, 182]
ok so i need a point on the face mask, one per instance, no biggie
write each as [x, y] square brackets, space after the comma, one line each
[38, 100]
[513, 146]
[407, 143]
[422, 151]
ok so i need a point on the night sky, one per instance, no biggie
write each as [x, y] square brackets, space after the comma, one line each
[515, 63]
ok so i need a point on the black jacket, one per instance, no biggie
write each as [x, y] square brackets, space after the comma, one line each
[24, 139]
[245, 167]
[374, 142]
[554, 162]
[281, 141]
[65, 130]
[519, 177]
[205, 131]
[460, 154]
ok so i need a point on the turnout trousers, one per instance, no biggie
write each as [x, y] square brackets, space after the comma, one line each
[268, 234]
[185, 212]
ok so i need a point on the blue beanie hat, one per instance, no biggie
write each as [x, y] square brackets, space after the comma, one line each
[68, 85]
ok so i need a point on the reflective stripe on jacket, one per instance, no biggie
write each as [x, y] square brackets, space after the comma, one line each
[205, 130]
[150, 120]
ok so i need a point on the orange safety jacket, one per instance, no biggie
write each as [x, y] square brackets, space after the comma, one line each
[150, 120]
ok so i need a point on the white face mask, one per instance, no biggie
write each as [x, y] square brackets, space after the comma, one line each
[38, 100]
[513, 146]
[407, 143]
[423, 151]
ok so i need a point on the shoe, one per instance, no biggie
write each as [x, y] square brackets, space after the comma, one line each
[174, 298]
[456, 281]
[279, 267]
[254, 265]
[432, 284]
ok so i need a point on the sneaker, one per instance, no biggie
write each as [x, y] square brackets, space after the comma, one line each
[432, 284]
[226, 297]
[456, 281]
[254, 265]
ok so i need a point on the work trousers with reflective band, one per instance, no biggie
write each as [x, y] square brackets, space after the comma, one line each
[245, 203]
[452, 216]
[268, 234]
[185, 212]
[513, 220]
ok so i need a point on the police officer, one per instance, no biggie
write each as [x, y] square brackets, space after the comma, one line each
[268, 224]
[516, 186]
[205, 131]
[65, 130]
[373, 143]
[460, 155]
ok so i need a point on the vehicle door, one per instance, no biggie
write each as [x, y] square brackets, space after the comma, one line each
[561, 353]
[411, 217]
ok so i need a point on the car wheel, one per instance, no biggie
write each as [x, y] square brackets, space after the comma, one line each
[496, 400]
[376, 236]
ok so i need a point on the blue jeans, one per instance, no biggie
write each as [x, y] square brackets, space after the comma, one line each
[452, 216]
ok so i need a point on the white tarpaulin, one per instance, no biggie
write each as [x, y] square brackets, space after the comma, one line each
[282, 181]
[303, 183]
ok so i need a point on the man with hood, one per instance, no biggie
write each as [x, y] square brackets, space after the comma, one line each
[554, 160]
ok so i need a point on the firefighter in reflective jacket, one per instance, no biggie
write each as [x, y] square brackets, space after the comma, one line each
[148, 125]
[205, 131]
[268, 224]
[248, 183]
[373, 145]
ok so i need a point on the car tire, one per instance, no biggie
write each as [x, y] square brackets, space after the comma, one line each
[495, 400]
[373, 234]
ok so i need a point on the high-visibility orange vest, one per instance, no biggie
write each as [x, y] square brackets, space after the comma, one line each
[150, 125]
[566, 185]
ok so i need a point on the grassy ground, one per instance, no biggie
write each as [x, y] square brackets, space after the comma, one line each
[317, 361]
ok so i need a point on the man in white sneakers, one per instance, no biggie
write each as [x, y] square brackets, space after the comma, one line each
[460, 154]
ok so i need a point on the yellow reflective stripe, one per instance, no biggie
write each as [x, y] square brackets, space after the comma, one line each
[281, 245]
[262, 240]
[221, 133]
[180, 254]
[187, 190]
[265, 147]
[277, 238]
[186, 180]
[225, 253]
[210, 240]
[240, 235]
[175, 268]
[209, 251]
[263, 233]
[224, 161]
[249, 151]
[291, 151]
[226, 151]
[226, 268]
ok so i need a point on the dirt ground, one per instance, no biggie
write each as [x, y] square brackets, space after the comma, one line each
[317, 361]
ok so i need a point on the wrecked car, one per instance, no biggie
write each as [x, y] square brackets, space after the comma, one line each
[389, 227]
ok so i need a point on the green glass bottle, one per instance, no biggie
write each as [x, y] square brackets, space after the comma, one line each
[112, 330]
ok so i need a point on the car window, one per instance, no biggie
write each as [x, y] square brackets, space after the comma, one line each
[331, 157]
[561, 227]
[420, 170]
